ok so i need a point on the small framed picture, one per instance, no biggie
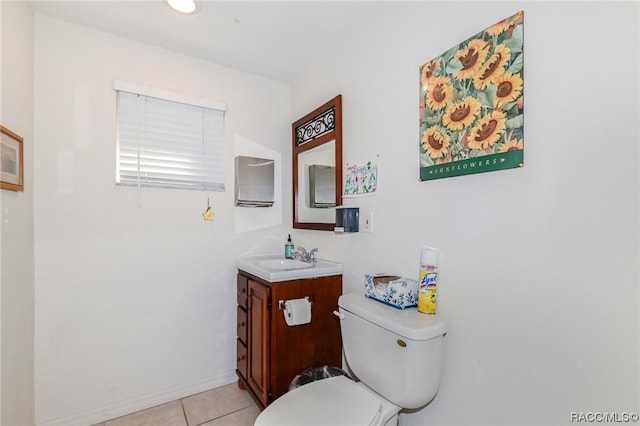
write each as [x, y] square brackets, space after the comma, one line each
[11, 160]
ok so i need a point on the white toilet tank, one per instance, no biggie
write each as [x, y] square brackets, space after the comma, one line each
[397, 353]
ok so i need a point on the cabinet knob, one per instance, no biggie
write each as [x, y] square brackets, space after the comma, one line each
[240, 358]
[241, 324]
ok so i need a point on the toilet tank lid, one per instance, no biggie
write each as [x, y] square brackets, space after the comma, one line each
[408, 323]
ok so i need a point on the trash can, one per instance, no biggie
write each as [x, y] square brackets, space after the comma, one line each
[316, 373]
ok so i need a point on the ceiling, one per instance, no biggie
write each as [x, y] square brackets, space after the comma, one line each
[275, 39]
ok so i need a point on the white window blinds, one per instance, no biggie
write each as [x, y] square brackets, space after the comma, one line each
[168, 140]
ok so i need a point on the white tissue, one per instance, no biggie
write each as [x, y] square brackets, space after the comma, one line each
[297, 312]
[381, 288]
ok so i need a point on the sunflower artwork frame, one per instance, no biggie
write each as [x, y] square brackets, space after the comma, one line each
[472, 104]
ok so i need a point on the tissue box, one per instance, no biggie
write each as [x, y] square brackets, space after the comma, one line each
[395, 291]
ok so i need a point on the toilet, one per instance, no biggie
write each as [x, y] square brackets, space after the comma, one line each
[396, 356]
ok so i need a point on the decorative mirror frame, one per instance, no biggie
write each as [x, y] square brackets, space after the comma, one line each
[320, 126]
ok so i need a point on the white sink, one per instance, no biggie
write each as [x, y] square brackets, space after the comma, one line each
[274, 268]
[284, 264]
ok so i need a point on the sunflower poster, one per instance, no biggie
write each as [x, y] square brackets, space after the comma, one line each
[471, 104]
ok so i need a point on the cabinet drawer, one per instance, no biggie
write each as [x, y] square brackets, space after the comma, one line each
[242, 325]
[242, 291]
[241, 358]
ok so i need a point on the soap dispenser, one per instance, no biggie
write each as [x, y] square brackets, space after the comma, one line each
[288, 248]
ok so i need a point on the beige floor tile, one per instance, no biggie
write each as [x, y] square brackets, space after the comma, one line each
[244, 417]
[170, 414]
[215, 403]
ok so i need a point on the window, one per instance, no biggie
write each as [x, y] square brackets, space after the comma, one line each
[168, 140]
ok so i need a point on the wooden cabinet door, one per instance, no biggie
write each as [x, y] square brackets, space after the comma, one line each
[259, 322]
[314, 344]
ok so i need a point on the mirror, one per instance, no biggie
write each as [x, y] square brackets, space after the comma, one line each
[317, 167]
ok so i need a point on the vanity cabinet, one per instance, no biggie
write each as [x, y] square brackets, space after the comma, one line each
[269, 352]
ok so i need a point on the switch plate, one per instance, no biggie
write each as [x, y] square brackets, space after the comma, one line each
[368, 222]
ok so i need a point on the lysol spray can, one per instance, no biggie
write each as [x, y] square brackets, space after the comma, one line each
[427, 281]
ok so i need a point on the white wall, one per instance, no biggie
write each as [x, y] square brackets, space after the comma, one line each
[16, 222]
[539, 266]
[135, 305]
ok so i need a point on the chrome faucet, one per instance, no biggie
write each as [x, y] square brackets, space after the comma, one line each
[304, 255]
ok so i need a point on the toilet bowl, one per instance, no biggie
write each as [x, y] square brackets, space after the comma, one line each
[336, 401]
[396, 355]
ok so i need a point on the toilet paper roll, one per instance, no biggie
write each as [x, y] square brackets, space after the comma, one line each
[297, 312]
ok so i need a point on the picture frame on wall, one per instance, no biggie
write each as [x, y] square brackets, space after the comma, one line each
[472, 104]
[11, 160]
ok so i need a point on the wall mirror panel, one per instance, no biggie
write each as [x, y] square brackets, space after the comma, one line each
[317, 167]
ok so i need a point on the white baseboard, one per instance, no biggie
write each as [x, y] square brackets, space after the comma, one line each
[147, 401]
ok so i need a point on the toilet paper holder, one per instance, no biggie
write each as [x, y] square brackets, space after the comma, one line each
[282, 302]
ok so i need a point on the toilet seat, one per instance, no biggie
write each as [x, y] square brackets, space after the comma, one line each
[336, 401]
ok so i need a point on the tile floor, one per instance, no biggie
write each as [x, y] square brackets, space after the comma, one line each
[224, 406]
